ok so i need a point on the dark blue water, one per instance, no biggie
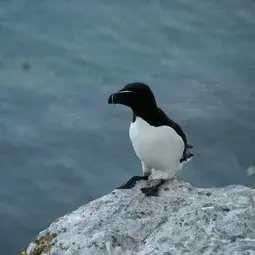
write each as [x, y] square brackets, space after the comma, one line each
[62, 145]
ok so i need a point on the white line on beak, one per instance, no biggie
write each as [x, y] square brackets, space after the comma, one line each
[125, 91]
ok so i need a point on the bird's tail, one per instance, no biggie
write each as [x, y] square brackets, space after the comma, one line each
[188, 146]
[187, 155]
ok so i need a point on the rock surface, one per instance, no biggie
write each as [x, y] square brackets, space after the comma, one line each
[181, 220]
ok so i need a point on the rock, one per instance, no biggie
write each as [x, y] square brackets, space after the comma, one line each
[182, 220]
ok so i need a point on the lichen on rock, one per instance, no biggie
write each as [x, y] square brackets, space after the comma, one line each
[41, 245]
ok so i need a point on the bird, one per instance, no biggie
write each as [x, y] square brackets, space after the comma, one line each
[158, 141]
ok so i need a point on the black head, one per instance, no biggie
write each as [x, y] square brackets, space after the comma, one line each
[138, 96]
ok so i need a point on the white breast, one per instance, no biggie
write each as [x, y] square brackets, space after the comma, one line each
[160, 148]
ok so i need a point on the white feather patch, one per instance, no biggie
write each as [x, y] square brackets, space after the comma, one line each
[159, 148]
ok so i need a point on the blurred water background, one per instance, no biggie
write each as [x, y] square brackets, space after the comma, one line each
[62, 145]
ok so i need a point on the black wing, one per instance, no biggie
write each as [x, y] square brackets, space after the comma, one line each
[163, 119]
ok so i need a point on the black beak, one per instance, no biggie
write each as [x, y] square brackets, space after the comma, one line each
[121, 97]
[111, 98]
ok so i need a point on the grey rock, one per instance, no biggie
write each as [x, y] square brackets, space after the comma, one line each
[182, 220]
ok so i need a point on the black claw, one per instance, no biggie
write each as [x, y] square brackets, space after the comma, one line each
[153, 191]
[131, 183]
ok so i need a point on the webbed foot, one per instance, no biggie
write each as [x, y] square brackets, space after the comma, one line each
[153, 191]
[131, 182]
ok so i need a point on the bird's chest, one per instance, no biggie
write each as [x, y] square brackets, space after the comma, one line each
[144, 135]
[155, 144]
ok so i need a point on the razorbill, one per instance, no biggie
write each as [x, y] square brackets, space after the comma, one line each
[158, 141]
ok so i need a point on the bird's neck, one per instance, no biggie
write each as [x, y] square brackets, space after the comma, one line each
[146, 113]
